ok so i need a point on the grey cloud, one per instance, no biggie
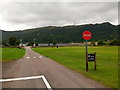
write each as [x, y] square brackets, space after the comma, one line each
[38, 14]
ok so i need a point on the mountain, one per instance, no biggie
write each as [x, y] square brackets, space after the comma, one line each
[65, 34]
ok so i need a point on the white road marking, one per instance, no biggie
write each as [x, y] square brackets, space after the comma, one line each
[34, 57]
[27, 57]
[46, 83]
[28, 78]
[40, 56]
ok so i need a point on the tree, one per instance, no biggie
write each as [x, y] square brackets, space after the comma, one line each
[17, 42]
[36, 44]
[30, 44]
[100, 42]
[48, 44]
[4, 43]
[115, 42]
[54, 43]
[93, 43]
[12, 41]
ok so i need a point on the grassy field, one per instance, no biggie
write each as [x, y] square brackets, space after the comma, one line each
[9, 54]
[74, 58]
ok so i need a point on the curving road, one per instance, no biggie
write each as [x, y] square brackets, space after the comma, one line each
[34, 64]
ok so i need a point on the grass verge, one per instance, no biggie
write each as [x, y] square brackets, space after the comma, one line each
[9, 54]
[74, 58]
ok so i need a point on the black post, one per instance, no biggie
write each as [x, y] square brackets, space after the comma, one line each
[86, 56]
[95, 62]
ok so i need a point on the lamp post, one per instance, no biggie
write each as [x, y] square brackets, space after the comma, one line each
[20, 42]
[34, 41]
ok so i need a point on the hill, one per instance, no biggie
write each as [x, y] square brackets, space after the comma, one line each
[65, 34]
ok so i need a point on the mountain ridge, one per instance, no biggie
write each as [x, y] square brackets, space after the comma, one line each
[64, 34]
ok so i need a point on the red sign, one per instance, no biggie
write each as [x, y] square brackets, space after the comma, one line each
[87, 35]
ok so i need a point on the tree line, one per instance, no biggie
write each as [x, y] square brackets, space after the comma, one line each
[13, 41]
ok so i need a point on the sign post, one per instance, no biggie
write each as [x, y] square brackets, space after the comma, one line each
[91, 58]
[95, 62]
[86, 56]
[87, 35]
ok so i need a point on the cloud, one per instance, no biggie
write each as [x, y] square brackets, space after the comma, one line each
[23, 15]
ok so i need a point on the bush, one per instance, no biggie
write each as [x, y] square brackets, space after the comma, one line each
[115, 42]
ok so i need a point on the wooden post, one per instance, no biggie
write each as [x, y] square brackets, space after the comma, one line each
[86, 56]
[95, 62]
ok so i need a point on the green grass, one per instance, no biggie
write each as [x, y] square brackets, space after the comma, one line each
[9, 54]
[74, 58]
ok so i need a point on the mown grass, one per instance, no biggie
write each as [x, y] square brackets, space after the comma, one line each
[74, 58]
[9, 54]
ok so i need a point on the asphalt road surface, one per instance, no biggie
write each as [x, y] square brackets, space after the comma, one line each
[34, 64]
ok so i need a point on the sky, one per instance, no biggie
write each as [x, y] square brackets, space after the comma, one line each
[21, 15]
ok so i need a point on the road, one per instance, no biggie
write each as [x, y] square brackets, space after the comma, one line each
[34, 64]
